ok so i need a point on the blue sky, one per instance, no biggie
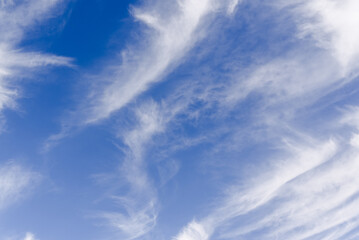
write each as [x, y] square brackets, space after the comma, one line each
[179, 120]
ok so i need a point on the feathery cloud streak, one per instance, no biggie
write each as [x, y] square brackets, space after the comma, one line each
[170, 33]
[140, 203]
[283, 89]
[313, 194]
[174, 29]
[16, 19]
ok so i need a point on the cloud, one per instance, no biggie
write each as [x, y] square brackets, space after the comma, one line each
[29, 236]
[325, 195]
[168, 35]
[136, 222]
[139, 202]
[323, 59]
[332, 24]
[16, 19]
[265, 187]
[15, 183]
[194, 231]
[285, 88]
[310, 190]
[290, 77]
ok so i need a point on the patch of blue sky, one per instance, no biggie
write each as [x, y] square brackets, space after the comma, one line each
[185, 120]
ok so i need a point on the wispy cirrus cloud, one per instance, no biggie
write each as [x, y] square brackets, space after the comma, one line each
[259, 191]
[325, 42]
[285, 86]
[279, 202]
[16, 20]
[138, 205]
[312, 193]
[15, 183]
[327, 195]
[170, 31]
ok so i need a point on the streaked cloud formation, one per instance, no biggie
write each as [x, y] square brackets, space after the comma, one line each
[174, 29]
[292, 81]
[215, 120]
[16, 19]
[312, 193]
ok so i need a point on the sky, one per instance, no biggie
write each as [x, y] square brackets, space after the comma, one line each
[179, 119]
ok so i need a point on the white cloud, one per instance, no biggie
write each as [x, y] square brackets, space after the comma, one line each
[138, 219]
[15, 20]
[316, 66]
[291, 81]
[265, 187]
[30, 236]
[313, 193]
[310, 195]
[320, 204]
[15, 183]
[174, 29]
[289, 78]
[333, 25]
[172, 33]
[140, 202]
[194, 231]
